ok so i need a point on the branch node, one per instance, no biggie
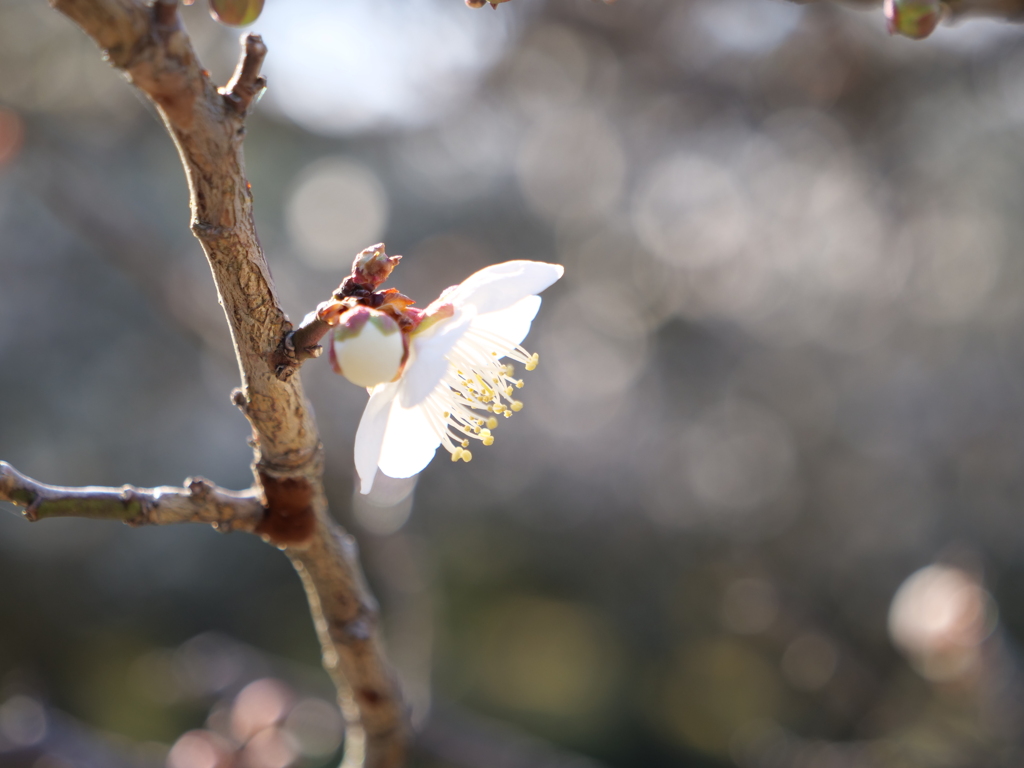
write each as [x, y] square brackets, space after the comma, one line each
[205, 231]
[290, 519]
[198, 487]
[358, 629]
[299, 345]
[31, 512]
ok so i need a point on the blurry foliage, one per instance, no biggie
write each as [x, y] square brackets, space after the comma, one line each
[781, 374]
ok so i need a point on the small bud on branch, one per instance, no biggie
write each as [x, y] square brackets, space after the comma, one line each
[915, 19]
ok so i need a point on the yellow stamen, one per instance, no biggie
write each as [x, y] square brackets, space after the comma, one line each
[517, 406]
[467, 456]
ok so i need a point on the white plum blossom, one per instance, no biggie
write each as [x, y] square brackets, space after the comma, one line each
[456, 379]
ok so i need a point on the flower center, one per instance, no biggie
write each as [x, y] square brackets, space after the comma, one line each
[479, 389]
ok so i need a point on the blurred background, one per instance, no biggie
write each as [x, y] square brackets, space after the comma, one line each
[762, 506]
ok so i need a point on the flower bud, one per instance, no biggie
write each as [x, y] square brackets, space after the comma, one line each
[915, 19]
[372, 266]
[236, 13]
[367, 347]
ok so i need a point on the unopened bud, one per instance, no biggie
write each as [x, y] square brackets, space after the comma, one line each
[236, 13]
[367, 347]
[372, 266]
[915, 19]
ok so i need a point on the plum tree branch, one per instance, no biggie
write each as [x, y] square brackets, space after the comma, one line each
[1011, 10]
[198, 501]
[149, 44]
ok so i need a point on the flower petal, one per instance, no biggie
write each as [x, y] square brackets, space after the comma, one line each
[493, 336]
[500, 286]
[427, 357]
[511, 324]
[409, 441]
[370, 434]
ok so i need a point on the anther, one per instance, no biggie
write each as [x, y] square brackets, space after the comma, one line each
[467, 456]
[492, 423]
[487, 440]
[465, 443]
[457, 454]
[516, 405]
[498, 408]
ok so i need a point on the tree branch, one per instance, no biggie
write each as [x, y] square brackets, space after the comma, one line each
[1010, 10]
[198, 501]
[208, 126]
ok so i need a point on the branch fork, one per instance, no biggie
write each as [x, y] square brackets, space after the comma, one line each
[287, 504]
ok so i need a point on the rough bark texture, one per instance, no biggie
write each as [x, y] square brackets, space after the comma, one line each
[207, 124]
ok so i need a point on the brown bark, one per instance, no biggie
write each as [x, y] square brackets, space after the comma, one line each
[207, 124]
[1011, 10]
[198, 501]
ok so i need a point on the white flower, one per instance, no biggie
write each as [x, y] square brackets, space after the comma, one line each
[455, 383]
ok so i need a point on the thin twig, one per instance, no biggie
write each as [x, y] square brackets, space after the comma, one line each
[300, 345]
[247, 82]
[198, 501]
[1009, 10]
